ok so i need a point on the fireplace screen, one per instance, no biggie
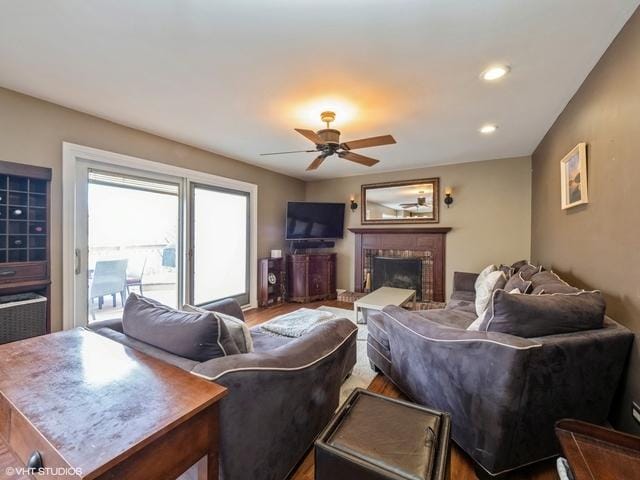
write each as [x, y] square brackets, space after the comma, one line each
[398, 273]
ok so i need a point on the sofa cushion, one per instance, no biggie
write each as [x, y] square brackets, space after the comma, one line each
[238, 330]
[448, 318]
[463, 305]
[494, 281]
[518, 265]
[548, 282]
[527, 271]
[530, 316]
[516, 281]
[196, 336]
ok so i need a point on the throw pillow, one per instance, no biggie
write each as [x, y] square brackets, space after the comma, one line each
[518, 265]
[196, 336]
[529, 271]
[549, 282]
[516, 281]
[507, 270]
[483, 274]
[238, 330]
[493, 281]
[475, 326]
[541, 315]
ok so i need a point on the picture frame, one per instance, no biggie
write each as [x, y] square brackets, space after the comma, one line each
[401, 202]
[574, 188]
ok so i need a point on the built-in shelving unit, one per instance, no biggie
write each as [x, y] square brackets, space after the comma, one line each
[24, 231]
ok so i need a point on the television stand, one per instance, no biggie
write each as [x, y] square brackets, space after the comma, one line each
[311, 277]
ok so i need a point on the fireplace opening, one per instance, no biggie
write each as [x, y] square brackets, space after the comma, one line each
[398, 273]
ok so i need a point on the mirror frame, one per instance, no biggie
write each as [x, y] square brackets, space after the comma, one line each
[402, 183]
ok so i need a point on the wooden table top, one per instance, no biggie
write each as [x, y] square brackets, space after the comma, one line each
[95, 400]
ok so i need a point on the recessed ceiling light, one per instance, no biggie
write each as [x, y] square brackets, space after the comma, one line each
[489, 128]
[495, 72]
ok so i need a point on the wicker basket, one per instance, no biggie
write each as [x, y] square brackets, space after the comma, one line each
[22, 316]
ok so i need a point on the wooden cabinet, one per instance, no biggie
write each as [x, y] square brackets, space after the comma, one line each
[311, 277]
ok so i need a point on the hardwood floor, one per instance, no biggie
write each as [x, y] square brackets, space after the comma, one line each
[462, 467]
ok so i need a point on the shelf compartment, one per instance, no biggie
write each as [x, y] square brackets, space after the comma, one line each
[38, 228]
[37, 255]
[18, 184]
[17, 227]
[18, 255]
[17, 212]
[37, 241]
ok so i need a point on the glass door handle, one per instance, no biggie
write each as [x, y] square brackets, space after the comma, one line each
[78, 262]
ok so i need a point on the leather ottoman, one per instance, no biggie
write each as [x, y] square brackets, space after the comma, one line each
[373, 437]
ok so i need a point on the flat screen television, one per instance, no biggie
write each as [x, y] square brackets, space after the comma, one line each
[315, 221]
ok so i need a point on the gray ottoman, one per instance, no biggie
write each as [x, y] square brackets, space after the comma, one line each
[373, 437]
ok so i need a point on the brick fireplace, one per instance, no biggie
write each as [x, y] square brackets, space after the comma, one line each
[401, 257]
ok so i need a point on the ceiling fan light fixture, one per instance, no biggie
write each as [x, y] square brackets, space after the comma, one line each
[328, 117]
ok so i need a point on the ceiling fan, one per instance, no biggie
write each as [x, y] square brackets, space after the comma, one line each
[421, 202]
[327, 142]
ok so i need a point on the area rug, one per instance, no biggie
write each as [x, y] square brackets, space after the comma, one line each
[362, 374]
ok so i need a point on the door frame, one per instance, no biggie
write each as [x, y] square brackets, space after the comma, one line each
[72, 153]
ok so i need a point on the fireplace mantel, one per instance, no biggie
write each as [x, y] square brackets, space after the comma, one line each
[412, 230]
[426, 239]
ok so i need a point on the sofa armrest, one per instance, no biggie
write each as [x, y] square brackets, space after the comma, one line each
[282, 397]
[574, 375]
[478, 377]
[229, 306]
[113, 324]
[464, 281]
[297, 354]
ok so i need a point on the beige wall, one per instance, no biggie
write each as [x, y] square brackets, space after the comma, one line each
[598, 245]
[32, 131]
[490, 217]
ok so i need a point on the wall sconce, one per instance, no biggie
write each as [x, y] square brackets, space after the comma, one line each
[448, 199]
[353, 205]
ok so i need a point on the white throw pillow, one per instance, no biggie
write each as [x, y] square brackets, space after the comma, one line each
[493, 281]
[483, 274]
[475, 326]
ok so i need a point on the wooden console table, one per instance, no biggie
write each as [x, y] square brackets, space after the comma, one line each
[95, 409]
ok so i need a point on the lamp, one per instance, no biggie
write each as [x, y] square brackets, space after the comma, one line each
[448, 199]
[353, 204]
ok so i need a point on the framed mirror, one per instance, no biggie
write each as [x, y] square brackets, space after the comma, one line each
[407, 201]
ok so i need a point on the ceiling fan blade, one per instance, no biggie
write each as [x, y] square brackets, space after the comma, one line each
[407, 205]
[368, 142]
[357, 158]
[316, 163]
[291, 151]
[310, 135]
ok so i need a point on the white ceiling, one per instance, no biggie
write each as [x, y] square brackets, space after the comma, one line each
[236, 76]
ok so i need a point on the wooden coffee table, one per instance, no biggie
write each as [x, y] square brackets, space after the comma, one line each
[92, 408]
[380, 298]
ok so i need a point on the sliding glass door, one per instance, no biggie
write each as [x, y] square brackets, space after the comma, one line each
[220, 244]
[169, 238]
